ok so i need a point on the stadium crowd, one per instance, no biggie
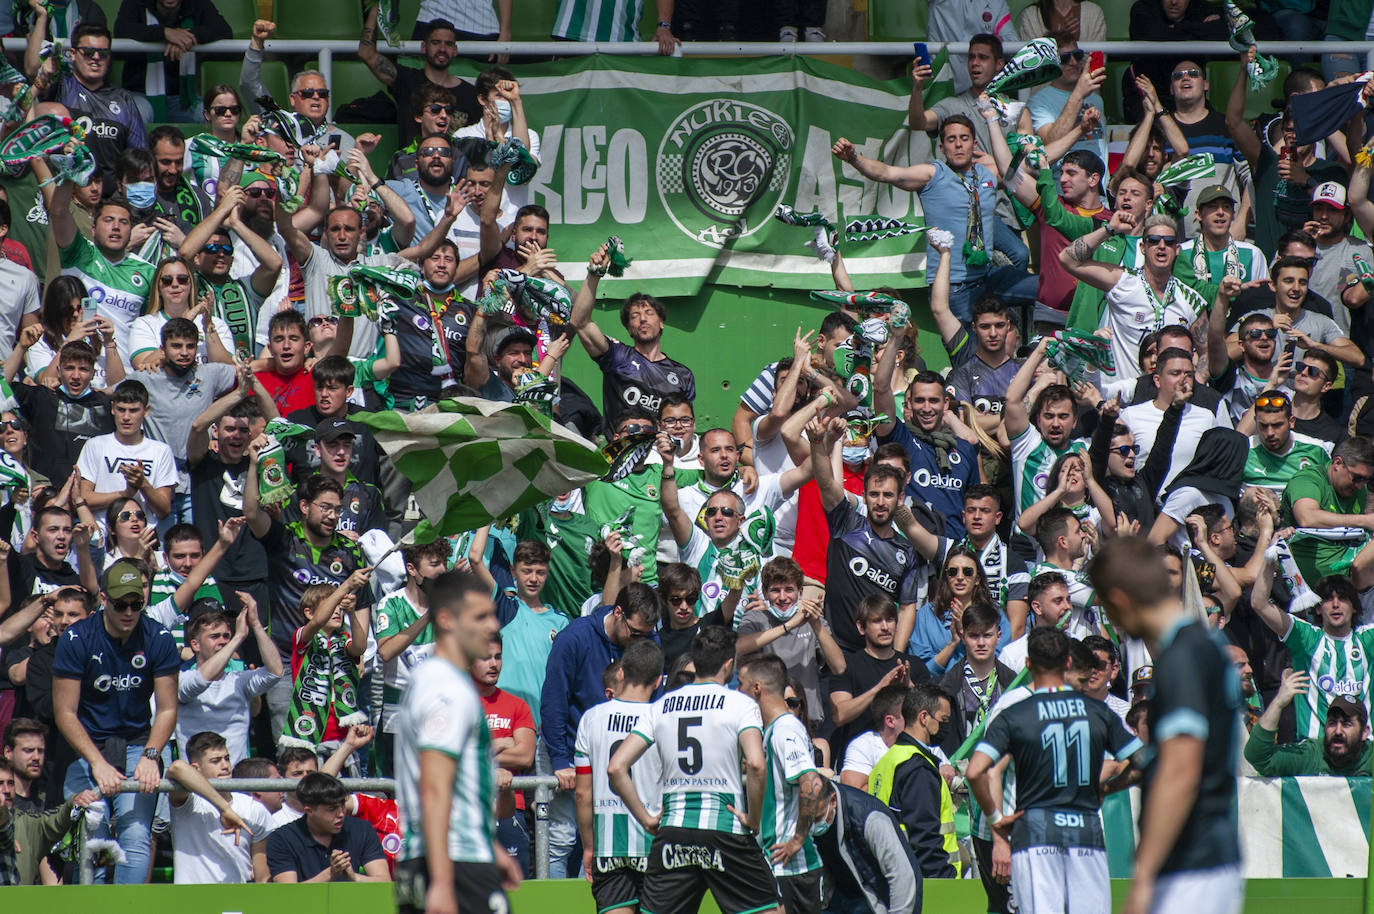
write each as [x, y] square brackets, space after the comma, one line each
[862, 596]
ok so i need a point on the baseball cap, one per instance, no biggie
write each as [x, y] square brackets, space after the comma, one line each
[1213, 192]
[1349, 707]
[512, 336]
[334, 429]
[123, 580]
[1143, 676]
[202, 606]
[1331, 193]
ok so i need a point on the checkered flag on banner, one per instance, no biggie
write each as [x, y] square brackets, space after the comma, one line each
[474, 461]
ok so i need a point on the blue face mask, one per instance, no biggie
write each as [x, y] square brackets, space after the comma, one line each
[141, 194]
[854, 454]
[786, 613]
[503, 111]
[820, 827]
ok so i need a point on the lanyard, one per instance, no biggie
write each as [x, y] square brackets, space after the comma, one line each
[424, 201]
[439, 351]
[1155, 302]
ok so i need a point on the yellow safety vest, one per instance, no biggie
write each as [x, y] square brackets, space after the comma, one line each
[880, 786]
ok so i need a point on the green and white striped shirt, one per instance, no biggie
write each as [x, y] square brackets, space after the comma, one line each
[788, 748]
[441, 711]
[119, 290]
[615, 832]
[696, 730]
[165, 610]
[1031, 461]
[598, 20]
[1335, 667]
[394, 615]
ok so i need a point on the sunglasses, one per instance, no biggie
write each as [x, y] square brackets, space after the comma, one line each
[439, 109]
[637, 632]
[794, 703]
[1073, 56]
[260, 192]
[636, 430]
[1358, 478]
[725, 512]
[1272, 402]
[1310, 261]
[127, 606]
[1152, 240]
[1313, 370]
[959, 571]
[1127, 450]
[443, 152]
[313, 93]
[320, 320]
[684, 599]
[94, 53]
[223, 110]
[175, 280]
[15, 424]
[1270, 334]
[218, 248]
[1190, 73]
[124, 516]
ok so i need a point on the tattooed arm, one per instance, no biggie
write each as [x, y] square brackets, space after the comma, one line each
[811, 801]
[1077, 257]
[382, 66]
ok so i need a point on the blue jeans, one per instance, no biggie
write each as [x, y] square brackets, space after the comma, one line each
[1008, 241]
[1334, 65]
[514, 836]
[130, 814]
[1011, 284]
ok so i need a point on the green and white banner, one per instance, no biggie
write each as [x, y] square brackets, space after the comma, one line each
[687, 160]
[1314, 827]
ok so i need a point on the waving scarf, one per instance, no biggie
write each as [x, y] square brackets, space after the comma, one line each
[1262, 70]
[361, 291]
[1077, 354]
[1034, 65]
[624, 454]
[511, 151]
[327, 681]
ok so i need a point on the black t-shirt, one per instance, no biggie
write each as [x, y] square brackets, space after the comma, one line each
[60, 425]
[293, 565]
[862, 672]
[1196, 692]
[1323, 428]
[292, 848]
[217, 495]
[629, 379]
[303, 461]
[408, 81]
[859, 564]
[28, 577]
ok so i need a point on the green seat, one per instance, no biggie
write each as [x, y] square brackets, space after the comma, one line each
[1221, 76]
[381, 156]
[1112, 93]
[214, 72]
[349, 81]
[110, 8]
[336, 21]
[896, 20]
[240, 14]
[408, 14]
[532, 20]
[1118, 16]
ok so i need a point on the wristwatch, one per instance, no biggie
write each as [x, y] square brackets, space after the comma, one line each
[152, 754]
[665, 25]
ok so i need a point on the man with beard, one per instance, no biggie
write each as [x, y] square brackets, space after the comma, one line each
[866, 555]
[720, 469]
[178, 391]
[177, 198]
[942, 464]
[437, 48]
[1344, 749]
[217, 481]
[1036, 447]
[432, 110]
[1255, 372]
[701, 547]
[431, 330]
[637, 375]
[309, 95]
[211, 244]
[1276, 451]
[426, 191]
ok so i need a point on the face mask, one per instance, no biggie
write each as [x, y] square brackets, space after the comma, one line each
[438, 290]
[854, 454]
[784, 614]
[561, 504]
[820, 827]
[503, 112]
[141, 194]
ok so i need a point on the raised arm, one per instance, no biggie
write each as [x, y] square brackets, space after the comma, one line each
[1241, 132]
[593, 340]
[911, 177]
[678, 521]
[1263, 604]
[1088, 82]
[1359, 199]
[1077, 260]
[918, 118]
[824, 435]
[382, 66]
[1015, 417]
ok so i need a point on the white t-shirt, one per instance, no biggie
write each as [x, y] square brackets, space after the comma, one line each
[863, 753]
[202, 855]
[221, 706]
[1130, 315]
[146, 335]
[1144, 419]
[318, 270]
[41, 355]
[18, 297]
[102, 456]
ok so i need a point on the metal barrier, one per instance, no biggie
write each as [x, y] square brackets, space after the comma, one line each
[325, 50]
[543, 786]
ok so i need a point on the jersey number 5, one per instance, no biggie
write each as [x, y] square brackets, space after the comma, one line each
[689, 759]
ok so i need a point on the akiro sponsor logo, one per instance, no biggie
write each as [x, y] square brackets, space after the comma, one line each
[861, 569]
[125, 683]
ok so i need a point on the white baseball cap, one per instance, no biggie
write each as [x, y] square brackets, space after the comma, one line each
[1331, 193]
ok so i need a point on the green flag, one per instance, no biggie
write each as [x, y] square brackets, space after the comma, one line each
[474, 461]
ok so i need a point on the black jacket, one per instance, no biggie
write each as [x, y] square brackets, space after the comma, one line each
[867, 856]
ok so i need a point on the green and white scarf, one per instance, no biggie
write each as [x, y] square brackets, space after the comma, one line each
[789, 216]
[231, 306]
[1264, 69]
[876, 228]
[327, 681]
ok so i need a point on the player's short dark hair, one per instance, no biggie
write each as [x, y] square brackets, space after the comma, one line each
[990, 304]
[430, 94]
[256, 767]
[290, 319]
[1096, 643]
[1054, 523]
[418, 552]
[1290, 261]
[957, 120]
[983, 490]
[320, 789]
[1085, 160]
[1255, 317]
[981, 617]
[893, 451]
[887, 700]
[530, 552]
[989, 41]
[712, 648]
[90, 30]
[924, 696]
[1356, 449]
[767, 669]
[450, 590]
[642, 663]
[638, 600]
[23, 726]
[130, 391]
[1171, 354]
[317, 485]
[875, 607]
[168, 132]
[245, 409]
[679, 576]
[180, 533]
[1054, 393]
[203, 742]
[1340, 587]
[1047, 649]
[878, 472]
[837, 320]
[1043, 582]
[1132, 565]
[1296, 236]
[608, 675]
[178, 328]
[781, 570]
[197, 626]
[292, 754]
[332, 370]
[642, 298]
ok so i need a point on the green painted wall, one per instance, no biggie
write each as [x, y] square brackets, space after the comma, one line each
[726, 335]
[1265, 896]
